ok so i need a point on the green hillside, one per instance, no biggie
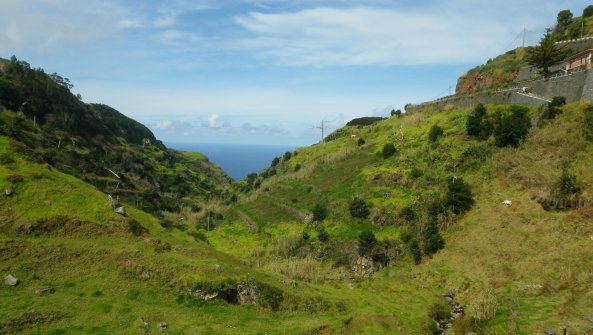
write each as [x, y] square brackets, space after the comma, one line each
[390, 227]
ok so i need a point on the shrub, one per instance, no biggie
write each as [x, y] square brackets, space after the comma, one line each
[319, 213]
[366, 242]
[275, 161]
[136, 228]
[588, 11]
[435, 132]
[433, 241]
[199, 236]
[396, 112]
[322, 235]
[478, 124]
[287, 156]
[415, 250]
[364, 121]
[408, 213]
[358, 208]
[297, 167]
[553, 108]
[567, 185]
[388, 150]
[511, 128]
[6, 159]
[360, 142]
[406, 236]
[459, 198]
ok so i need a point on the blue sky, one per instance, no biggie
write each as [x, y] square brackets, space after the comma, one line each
[264, 71]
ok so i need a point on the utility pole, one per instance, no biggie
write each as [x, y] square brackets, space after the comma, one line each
[322, 127]
[524, 34]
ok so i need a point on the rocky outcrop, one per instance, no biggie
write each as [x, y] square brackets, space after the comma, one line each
[364, 267]
[11, 280]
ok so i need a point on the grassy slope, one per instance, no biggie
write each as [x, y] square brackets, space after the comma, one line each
[491, 248]
[94, 264]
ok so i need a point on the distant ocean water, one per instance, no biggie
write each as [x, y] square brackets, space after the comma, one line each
[237, 160]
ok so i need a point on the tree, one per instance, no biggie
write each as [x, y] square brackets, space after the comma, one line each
[459, 197]
[564, 18]
[478, 124]
[388, 150]
[511, 127]
[287, 156]
[588, 11]
[319, 213]
[358, 208]
[397, 113]
[553, 108]
[366, 242]
[545, 55]
[275, 161]
[433, 241]
[435, 132]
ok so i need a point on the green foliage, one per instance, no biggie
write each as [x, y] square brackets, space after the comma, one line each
[478, 124]
[388, 150]
[588, 11]
[545, 55]
[435, 132]
[415, 250]
[360, 142]
[567, 186]
[287, 155]
[552, 109]
[563, 19]
[136, 228]
[322, 234]
[408, 213]
[364, 121]
[459, 198]
[319, 213]
[297, 167]
[433, 241]
[366, 243]
[358, 208]
[162, 247]
[397, 113]
[275, 161]
[511, 127]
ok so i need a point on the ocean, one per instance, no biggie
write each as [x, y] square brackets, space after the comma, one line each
[237, 160]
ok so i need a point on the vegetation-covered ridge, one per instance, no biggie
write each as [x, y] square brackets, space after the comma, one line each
[502, 71]
[98, 144]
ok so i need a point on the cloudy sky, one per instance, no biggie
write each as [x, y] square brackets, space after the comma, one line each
[264, 71]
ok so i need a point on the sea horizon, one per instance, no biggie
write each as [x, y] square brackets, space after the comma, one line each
[236, 159]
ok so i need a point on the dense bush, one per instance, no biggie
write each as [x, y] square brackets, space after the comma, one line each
[287, 156]
[511, 127]
[319, 213]
[435, 132]
[459, 197]
[408, 213]
[358, 208]
[478, 124]
[415, 250]
[364, 121]
[366, 243]
[136, 227]
[388, 150]
[433, 241]
[322, 234]
[275, 161]
[567, 185]
[297, 167]
[588, 11]
[552, 109]
[360, 142]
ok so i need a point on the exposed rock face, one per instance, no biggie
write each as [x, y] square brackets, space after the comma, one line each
[162, 326]
[121, 210]
[364, 267]
[247, 294]
[10, 280]
[475, 80]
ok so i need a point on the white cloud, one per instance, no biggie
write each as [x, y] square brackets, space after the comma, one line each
[49, 24]
[213, 120]
[375, 36]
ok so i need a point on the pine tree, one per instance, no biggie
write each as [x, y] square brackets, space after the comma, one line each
[545, 55]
